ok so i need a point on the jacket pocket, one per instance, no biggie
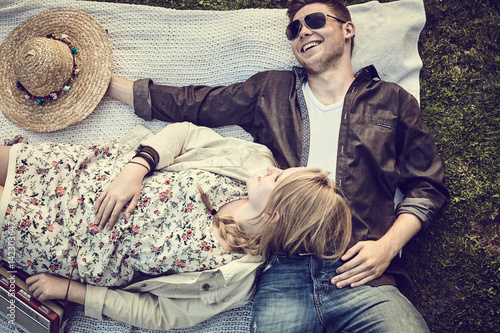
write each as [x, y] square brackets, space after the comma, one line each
[384, 124]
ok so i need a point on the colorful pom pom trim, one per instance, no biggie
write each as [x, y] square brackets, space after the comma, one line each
[54, 95]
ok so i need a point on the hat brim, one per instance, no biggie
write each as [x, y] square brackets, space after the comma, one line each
[94, 58]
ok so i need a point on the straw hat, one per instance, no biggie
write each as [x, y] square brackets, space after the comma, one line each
[54, 69]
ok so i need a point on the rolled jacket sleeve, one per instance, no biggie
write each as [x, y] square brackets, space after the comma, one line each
[421, 168]
[142, 99]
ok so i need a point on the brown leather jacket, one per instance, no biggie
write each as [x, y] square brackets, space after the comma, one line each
[383, 143]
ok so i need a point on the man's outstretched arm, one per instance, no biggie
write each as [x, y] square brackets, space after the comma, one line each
[121, 89]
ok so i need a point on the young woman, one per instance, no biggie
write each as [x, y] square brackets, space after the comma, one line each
[188, 209]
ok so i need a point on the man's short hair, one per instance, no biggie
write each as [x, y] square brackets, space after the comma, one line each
[337, 6]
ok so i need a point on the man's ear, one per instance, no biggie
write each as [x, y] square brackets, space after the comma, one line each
[272, 219]
[350, 30]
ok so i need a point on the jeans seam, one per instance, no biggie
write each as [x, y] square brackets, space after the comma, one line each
[317, 304]
[319, 310]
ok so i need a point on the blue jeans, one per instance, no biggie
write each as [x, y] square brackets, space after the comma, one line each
[294, 294]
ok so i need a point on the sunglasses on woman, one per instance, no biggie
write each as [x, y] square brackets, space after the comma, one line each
[313, 21]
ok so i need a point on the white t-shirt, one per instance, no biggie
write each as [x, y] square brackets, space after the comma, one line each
[324, 131]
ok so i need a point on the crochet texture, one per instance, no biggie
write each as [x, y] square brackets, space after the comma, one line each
[214, 48]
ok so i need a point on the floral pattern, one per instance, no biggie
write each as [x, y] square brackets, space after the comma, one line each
[51, 208]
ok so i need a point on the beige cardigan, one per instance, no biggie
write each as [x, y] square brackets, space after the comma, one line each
[183, 300]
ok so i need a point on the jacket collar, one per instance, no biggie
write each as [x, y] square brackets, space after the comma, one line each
[365, 73]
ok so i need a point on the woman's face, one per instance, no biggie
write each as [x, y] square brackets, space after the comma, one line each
[261, 187]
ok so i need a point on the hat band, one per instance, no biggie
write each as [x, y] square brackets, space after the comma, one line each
[41, 100]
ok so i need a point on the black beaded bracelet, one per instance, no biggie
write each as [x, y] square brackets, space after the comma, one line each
[133, 162]
[148, 159]
[69, 280]
[151, 152]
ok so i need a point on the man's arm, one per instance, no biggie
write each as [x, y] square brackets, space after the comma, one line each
[422, 181]
[121, 89]
[212, 106]
[367, 260]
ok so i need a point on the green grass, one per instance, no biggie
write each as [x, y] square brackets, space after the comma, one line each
[456, 263]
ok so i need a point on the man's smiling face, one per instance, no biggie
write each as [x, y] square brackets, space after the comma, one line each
[317, 50]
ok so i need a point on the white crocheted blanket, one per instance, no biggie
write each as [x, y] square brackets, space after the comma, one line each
[214, 48]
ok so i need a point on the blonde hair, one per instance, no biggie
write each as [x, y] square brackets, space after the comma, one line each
[314, 218]
[234, 235]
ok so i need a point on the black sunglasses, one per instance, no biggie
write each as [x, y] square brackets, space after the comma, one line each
[313, 21]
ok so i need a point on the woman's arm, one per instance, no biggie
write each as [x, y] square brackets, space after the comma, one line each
[126, 187]
[149, 311]
[189, 142]
[183, 304]
[196, 146]
[46, 286]
[180, 305]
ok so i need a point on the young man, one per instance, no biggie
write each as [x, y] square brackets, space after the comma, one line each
[369, 133]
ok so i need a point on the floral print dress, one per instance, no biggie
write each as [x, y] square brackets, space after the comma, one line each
[48, 205]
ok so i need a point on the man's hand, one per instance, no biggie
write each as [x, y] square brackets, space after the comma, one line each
[46, 286]
[124, 189]
[366, 261]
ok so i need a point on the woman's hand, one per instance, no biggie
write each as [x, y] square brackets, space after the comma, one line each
[46, 286]
[124, 189]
